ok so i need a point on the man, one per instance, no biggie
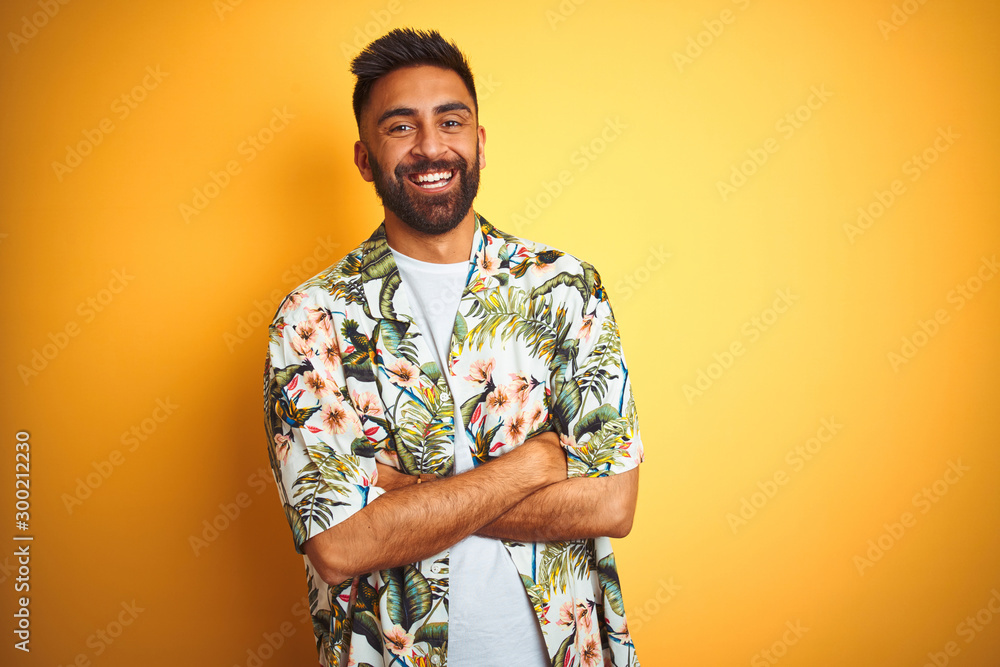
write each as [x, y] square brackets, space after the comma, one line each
[449, 412]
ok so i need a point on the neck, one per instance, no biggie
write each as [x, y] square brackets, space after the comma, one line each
[448, 248]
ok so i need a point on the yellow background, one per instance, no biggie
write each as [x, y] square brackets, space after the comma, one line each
[184, 328]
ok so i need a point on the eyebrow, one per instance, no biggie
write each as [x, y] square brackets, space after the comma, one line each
[410, 111]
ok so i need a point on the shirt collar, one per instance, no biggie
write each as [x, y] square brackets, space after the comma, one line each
[380, 275]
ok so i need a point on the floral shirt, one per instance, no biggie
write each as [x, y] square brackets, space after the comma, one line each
[349, 381]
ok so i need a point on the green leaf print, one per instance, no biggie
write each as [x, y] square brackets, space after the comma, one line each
[568, 279]
[561, 561]
[566, 403]
[435, 634]
[431, 370]
[426, 431]
[298, 526]
[407, 461]
[594, 420]
[378, 262]
[560, 657]
[461, 330]
[361, 447]
[608, 574]
[391, 333]
[470, 406]
[601, 451]
[407, 595]
[340, 625]
[366, 625]
[390, 284]
[367, 599]
[510, 314]
[601, 364]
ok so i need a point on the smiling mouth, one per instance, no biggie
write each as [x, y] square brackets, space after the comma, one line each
[432, 180]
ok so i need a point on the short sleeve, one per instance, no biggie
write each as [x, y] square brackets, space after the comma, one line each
[593, 406]
[322, 459]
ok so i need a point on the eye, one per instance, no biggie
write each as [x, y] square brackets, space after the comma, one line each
[452, 124]
[402, 127]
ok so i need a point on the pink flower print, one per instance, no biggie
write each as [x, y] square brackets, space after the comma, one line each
[300, 339]
[566, 616]
[498, 401]
[292, 301]
[583, 618]
[536, 415]
[329, 355]
[403, 373]
[366, 403]
[281, 447]
[590, 652]
[399, 641]
[338, 418]
[317, 384]
[487, 263]
[516, 429]
[519, 387]
[320, 319]
[586, 328]
[481, 370]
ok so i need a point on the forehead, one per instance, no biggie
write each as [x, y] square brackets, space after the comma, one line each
[420, 87]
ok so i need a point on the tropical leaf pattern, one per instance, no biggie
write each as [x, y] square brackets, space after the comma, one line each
[349, 380]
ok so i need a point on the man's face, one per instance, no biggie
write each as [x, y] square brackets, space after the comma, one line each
[422, 147]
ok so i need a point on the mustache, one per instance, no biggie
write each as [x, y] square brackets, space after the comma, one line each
[459, 164]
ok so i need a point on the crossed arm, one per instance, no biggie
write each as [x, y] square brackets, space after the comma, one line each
[522, 495]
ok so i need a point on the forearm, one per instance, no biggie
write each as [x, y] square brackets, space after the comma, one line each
[420, 520]
[573, 509]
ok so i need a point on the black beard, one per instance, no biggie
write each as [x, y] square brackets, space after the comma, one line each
[430, 214]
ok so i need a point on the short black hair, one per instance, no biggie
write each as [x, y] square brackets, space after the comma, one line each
[406, 47]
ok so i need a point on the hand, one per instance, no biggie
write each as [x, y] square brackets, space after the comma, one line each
[391, 479]
[551, 457]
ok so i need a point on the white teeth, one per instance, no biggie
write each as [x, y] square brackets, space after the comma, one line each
[430, 178]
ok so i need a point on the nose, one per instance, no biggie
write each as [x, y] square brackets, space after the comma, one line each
[429, 144]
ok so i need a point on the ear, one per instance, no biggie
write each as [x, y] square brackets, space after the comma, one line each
[361, 160]
[482, 147]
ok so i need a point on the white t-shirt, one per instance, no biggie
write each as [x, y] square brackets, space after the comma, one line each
[491, 622]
